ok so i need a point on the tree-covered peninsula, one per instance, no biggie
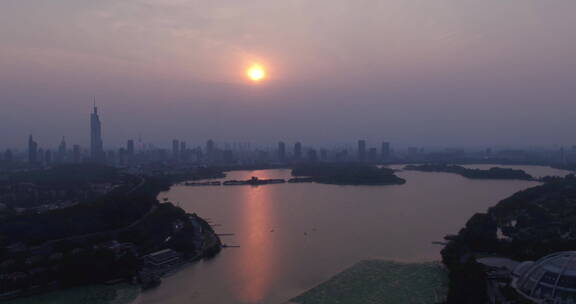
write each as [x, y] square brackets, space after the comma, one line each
[492, 173]
[347, 174]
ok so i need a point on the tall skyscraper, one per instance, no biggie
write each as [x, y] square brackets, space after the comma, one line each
[298, 151]
[96, 145]
[32, 150]
[361, 150]
[281, 151]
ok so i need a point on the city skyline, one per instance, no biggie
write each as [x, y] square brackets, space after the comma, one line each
[211, 152]
[94, 142]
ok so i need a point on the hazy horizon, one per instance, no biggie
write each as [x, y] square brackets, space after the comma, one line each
[419, 72]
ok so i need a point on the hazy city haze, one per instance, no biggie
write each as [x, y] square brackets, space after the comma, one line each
[407, 71]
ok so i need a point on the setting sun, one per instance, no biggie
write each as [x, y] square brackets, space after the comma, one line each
[256, 73]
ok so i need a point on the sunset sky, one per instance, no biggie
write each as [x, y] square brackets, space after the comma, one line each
[418, 72]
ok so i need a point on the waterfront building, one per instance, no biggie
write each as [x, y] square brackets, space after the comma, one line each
[551, 279]
[163, 258]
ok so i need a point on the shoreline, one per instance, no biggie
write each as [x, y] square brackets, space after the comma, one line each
[192, 237]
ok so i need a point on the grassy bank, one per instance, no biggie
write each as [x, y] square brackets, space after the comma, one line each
[378, 282]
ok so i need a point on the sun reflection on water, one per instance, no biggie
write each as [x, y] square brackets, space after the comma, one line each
[255, 237]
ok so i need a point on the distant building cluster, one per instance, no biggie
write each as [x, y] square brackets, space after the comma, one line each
[136, 153]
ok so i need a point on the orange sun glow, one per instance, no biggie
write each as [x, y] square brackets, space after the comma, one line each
[256, 73]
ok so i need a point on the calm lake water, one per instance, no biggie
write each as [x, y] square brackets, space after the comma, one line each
[294, 236]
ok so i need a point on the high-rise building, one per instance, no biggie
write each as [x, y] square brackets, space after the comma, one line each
[361, 150]
[312, 155]
[76, 154]
[228, 156]
[122, 156]
[62, 151]
[373, 154]
[96, 145]
[281, 151]
[111, 157]
[298, 151]
[32, 150]
[385, 151]
[175, 149]
[8, 157]
[40, 156]
[48, 156]
[323, 154]
[183, 153]
[130, 147]
[210, 150]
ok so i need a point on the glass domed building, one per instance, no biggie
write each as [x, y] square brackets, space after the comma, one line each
[552, 279]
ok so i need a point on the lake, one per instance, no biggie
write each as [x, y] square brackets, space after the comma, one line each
[293, 237]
